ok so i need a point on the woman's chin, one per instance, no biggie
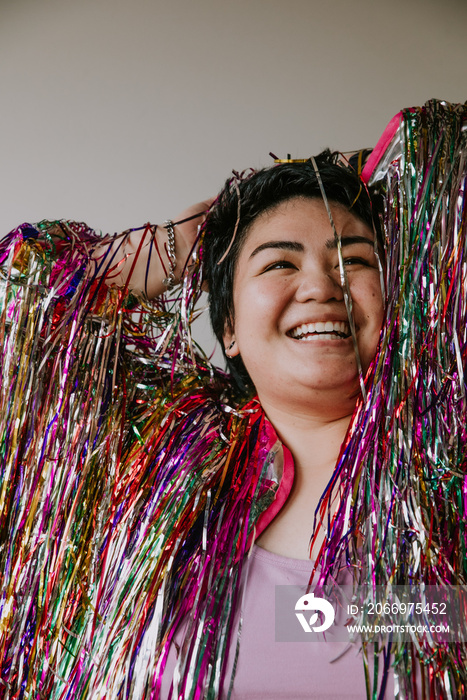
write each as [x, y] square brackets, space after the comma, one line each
[312, 393]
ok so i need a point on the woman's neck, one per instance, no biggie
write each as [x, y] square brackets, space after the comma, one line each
[314, 436]
[315, 442]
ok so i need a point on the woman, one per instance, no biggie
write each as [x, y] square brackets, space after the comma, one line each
[133, 498]
[278, 308]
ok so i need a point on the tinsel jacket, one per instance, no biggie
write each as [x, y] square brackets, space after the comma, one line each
[133, 483]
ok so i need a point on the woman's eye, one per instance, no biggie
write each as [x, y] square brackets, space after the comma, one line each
[280, 265]
[356, 261]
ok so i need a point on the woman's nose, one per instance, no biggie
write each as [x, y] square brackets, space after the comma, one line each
[320, 285]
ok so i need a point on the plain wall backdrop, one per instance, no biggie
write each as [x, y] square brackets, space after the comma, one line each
[117, 112]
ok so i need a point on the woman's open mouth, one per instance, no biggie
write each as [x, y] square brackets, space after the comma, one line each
[325, 330]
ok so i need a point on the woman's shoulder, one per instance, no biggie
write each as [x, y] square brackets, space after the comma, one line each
[49, 240]
[50, 258]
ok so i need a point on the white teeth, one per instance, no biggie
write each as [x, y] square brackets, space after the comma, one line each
[323, 327]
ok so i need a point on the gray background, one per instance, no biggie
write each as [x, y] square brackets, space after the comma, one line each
[117, 112]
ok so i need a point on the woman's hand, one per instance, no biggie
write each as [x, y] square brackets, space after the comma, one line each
[186, 232]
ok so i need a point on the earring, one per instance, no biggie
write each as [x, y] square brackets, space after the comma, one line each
[229, 348]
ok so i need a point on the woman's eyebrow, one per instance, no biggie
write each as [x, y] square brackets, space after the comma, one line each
[283, 245]
[331, 243]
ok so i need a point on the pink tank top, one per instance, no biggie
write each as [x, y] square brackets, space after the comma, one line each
[270, 670]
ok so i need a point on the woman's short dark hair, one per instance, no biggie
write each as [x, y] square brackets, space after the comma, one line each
[252, 196]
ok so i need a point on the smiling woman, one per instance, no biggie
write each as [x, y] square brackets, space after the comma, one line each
[260, 197]
[282, 285]
[152, 505]
[292, 332]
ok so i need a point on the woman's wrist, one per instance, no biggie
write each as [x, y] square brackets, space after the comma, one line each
[152, 259]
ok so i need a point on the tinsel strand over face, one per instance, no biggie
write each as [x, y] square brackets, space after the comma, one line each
[401, 477]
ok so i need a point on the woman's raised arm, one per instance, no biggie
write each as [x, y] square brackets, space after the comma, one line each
[152, 259]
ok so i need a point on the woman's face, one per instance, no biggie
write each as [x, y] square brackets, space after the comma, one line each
[291, 326]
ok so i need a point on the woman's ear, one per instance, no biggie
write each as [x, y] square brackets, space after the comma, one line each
[230, 344]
